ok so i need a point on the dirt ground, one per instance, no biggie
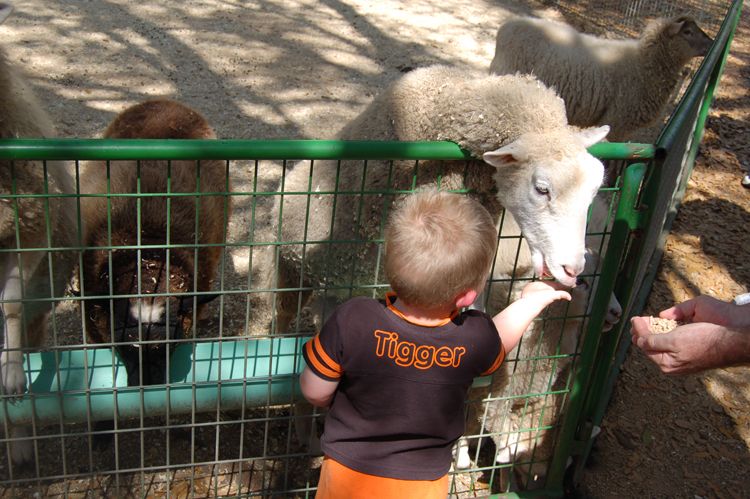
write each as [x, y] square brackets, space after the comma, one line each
[299, 69]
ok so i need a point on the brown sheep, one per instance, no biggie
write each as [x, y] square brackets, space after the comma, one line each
[131, 322]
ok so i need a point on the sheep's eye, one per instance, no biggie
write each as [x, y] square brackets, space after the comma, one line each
[542, 189]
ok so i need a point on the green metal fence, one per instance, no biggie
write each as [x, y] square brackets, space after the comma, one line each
[223, 424]
[236, 388]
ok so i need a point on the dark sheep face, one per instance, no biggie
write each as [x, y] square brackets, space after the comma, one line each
[144, 329]
[697, 41]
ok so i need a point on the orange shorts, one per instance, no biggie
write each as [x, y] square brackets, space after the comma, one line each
[339, 482]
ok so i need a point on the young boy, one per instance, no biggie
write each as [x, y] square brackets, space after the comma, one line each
[395, 372]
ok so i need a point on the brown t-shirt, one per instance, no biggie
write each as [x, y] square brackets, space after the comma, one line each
[399, 405]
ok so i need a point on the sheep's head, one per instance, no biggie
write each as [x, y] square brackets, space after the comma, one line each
[547, 181]
[685, 39]
[142, 327]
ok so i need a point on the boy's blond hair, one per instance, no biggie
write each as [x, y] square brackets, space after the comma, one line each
[438, 245]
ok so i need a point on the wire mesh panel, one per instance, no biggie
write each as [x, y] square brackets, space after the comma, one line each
[222, 416]
[522, 408]
[628, 18]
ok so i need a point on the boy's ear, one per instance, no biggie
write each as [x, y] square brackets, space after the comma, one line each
[466, 298]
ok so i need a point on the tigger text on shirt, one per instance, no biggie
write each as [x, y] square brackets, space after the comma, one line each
[406, 354]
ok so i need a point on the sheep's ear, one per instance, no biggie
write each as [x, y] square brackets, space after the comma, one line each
[675, 27]
[6, 9]
[593, 136]
[507, 155]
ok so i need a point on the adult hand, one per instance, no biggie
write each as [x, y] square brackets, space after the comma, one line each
[715, 334]
[707, 309]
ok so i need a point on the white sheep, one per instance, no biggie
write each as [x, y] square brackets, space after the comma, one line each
[42, 223]
[517, 418]
[540, 169]
[625, 84]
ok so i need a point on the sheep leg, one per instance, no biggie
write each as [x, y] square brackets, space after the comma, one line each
[462, 454]
[21, 448]
[11, 360]
[288, 302]
[532, 476]
[506, 448]
[305, 426]
[103, 435]
[286, 310]
[535, 445]
[464, 445]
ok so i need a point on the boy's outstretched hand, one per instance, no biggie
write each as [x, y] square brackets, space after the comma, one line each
[545, 292]
[516, 317]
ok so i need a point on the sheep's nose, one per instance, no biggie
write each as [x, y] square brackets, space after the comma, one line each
[573, 271]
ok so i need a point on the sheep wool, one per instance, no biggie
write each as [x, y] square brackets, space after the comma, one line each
[478, 113]
[625, 84]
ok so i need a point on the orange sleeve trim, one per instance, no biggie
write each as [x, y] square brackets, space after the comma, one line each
[498, 362]
[324, 356]
[319, 358]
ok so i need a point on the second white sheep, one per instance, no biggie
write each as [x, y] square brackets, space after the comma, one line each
[625, 84]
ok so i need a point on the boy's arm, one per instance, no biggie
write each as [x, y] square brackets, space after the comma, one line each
[317, 391]
[516, 317]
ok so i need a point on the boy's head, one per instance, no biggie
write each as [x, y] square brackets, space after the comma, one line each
[437, 246]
